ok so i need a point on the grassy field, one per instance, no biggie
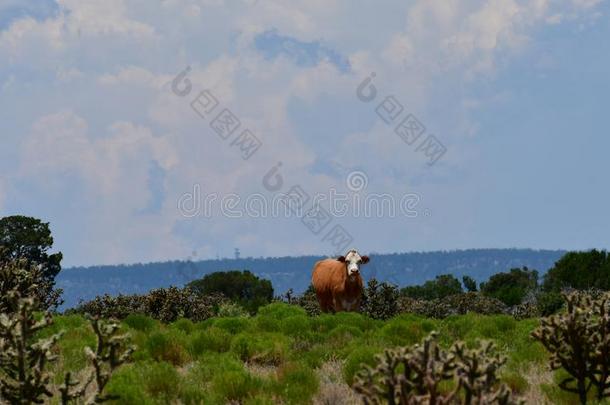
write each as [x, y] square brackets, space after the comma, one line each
[281, 355]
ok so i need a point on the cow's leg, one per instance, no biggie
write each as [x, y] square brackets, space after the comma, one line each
[321, 301]
[337, 304]
[325, 301]
[325, 306]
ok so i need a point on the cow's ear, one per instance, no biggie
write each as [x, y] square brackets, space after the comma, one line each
[341, 259]
[365, 259]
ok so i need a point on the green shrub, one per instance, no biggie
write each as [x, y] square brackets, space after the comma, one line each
[162, 381]
[234, 385]
[326, 322]
[342, 335]
[164, 304]
[261, 399]
[404, 330]
[355, 360]
[232, 325]
[261, 348]
[297, 325]
[296, 383]
[168, 346]
[515, 381]
[267, 324]
[211, 363]
[211, 339]
[129, 385]
[453, 305]
[184, 325]
[355, 319]
[140, 322]
[279, 310]
[72, 347]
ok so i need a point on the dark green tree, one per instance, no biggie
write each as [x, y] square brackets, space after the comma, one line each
[469, 283]
[441, 287]
[579, 270]
[28, 240]
[511, 287]
[244, 288]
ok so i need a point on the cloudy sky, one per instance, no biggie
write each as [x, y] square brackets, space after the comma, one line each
[100, 138]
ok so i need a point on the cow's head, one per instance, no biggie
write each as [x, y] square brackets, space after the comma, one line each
[353, 260]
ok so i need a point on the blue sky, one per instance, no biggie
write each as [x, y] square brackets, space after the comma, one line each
[96, 143]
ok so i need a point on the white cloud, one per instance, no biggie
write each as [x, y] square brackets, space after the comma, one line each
[106, 110]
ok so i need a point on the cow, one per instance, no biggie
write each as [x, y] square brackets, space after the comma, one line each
[337, 282]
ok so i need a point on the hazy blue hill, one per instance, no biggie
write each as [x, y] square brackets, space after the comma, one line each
[295, 272]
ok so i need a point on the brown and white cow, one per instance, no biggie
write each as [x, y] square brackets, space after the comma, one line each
[338, 283]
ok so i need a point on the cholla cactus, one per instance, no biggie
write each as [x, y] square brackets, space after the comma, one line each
[111, 352]
[23, 358]
[380, 300]
[477, 374]
[16, 278]
[415, 375]
[579, 341]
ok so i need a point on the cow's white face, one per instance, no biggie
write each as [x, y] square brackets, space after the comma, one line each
[353, 260]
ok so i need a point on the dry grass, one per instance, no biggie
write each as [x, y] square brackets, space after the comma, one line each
[333, 390]
[259, 370]
[537, 375]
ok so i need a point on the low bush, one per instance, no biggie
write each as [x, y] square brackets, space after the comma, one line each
[355, 360]
[168, 346]
[235, 386]
[296, 383]
[161, 381]
[261, 348]
[140, 322]
[453, 305]
[297, 325]
[183, 324]
[232, 325]
[211, 339]
[163, 304]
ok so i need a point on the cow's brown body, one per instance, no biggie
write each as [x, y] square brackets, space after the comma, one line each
[335, 289]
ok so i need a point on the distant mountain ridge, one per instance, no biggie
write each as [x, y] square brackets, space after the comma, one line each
[84, 283]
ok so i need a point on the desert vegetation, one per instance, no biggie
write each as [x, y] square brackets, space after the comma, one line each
[227, 339]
